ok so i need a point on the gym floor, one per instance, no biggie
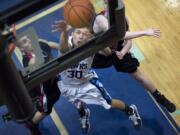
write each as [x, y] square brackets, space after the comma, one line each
[160, 62]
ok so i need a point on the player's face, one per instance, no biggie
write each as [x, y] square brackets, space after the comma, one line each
[81, 36]
[25, 44]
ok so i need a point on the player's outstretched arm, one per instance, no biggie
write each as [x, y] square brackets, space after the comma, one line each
[62, 27]
[147, 32]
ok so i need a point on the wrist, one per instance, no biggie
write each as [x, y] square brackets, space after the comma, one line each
[123, 52]
[144, 33]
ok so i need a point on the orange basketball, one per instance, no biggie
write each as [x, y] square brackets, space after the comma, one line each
[79, 13]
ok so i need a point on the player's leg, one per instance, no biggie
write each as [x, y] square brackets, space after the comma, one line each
[131, 111]
[149, 86]
[52, 94]
[33, 128]
[72, 94]
[45, 96]
[33, 124]
[84, 114]
[130, 64]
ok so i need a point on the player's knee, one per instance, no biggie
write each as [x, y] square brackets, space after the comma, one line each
[137, 75]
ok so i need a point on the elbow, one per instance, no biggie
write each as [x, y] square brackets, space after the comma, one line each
[127, 36]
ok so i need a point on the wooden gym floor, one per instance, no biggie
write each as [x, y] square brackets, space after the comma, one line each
[162, 56]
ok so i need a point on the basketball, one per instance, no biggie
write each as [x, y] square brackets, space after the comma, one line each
[79, 13]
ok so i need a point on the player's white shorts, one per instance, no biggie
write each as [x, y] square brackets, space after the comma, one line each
[91, 92]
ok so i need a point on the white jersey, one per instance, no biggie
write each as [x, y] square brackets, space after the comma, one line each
[76, 84]
[79, 73]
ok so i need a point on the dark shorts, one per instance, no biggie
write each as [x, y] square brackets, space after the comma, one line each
[50, 90]
[128, 64]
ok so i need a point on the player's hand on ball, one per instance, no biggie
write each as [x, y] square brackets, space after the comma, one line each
[60, 26]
